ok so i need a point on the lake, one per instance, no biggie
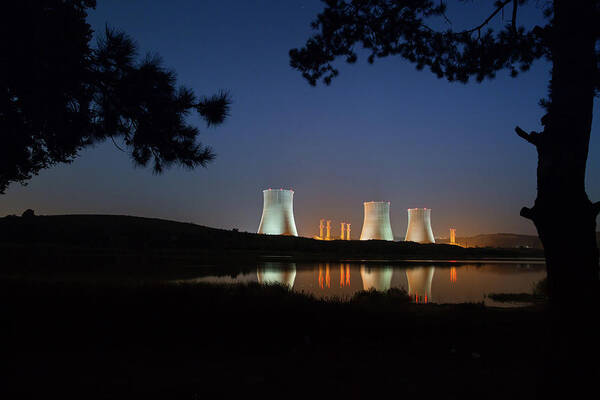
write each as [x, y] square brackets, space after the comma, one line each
[425, 281]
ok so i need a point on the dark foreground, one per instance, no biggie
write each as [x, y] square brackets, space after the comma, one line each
[195, 342]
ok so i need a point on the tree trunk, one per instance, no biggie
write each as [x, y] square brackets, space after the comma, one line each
[564, 216]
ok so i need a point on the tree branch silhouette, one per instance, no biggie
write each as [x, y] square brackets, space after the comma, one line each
[61, 94]
[563, 215]
[532, 137]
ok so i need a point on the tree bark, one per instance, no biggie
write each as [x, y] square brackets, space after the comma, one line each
[564, 216]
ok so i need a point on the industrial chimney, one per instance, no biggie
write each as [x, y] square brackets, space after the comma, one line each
[278, 213]
[419, 226]
[376, 224]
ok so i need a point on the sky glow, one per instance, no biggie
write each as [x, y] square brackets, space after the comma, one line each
[379, 132]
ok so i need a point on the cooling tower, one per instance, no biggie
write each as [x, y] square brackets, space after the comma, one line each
[376, 224]
[273, 273]
[278, 213]
[376, 278]
[419, 283]
[419, 226]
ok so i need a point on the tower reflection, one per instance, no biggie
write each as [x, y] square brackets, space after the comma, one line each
[344, 275]
[324, 280]
[277, 273]
[376, 278]
[419, 283]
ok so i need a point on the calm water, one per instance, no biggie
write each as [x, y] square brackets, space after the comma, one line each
[425, 282]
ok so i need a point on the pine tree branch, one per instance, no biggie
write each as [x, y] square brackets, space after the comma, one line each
[596, 208]
[115, 143]
[488, 19]
[528, 213]
[533, 137]
[514, 15]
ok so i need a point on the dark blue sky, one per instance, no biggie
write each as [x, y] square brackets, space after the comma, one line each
[379, 132]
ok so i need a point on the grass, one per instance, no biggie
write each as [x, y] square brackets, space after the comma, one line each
[539, 294]
[206, 341]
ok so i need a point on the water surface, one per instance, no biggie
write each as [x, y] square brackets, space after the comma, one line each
[425, 282]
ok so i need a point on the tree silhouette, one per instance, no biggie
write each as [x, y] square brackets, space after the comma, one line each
[61, 94]
[564, 216]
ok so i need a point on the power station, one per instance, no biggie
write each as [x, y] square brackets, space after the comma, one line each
[376, 225]
[278, 219]
[419, 226]
[278, 213]
[344, 231]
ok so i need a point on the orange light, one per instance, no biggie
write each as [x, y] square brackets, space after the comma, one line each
[320, 276]
[348, 275]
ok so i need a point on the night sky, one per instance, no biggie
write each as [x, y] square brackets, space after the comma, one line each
[379, 132]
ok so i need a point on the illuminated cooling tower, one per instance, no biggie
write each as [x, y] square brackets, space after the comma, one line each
[419, 283]
[419, 226]
[376, 278]
[376, 224]
[278, 213]
[277, 274]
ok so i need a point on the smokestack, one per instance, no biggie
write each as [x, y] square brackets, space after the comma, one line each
[376, 224]
[278, 213]
[348, 231]
[419, 226]
[328, 230]
[321, 224]
[342, 235]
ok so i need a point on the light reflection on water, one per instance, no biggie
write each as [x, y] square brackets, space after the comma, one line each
[425, 283]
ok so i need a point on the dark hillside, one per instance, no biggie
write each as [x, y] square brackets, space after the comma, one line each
[502, 240]
[67, 238]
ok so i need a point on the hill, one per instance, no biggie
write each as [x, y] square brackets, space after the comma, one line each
[502, 240]
[106, 239]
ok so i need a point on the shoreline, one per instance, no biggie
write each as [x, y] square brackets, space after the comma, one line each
[265, 339]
